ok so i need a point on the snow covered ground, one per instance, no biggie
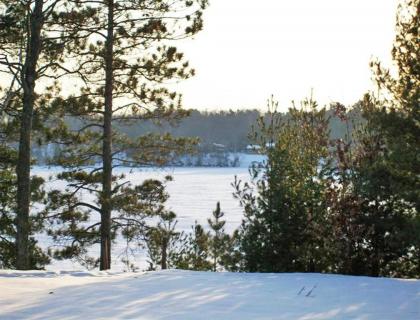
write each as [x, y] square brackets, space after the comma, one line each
[187, 295]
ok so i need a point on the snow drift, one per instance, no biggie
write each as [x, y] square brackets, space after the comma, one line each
[185, 295]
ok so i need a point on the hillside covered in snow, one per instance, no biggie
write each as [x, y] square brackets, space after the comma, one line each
[186, 295]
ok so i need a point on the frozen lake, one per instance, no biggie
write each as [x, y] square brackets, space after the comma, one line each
[194, 193]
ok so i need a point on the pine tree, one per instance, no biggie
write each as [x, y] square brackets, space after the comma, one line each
[285, 209]
[389, 153]
[195, 252]
[35, 36]
[164, 244]
[372, 227]
[396, 114]
[219, 240]
[123, 68]
[26, 73]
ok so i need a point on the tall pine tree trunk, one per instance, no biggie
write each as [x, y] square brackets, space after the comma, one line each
[24, 155]
[105, 259]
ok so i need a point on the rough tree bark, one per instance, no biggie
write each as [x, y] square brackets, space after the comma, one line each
[105, 259]
[28, 78]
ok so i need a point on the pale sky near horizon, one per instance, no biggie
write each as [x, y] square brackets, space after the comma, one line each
[249, 50]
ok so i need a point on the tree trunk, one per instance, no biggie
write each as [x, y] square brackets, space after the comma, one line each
[164, 264]
[23, 167]
[105, 259]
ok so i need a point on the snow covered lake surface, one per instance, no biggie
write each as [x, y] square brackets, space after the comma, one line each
[194, 193]
[184, 295]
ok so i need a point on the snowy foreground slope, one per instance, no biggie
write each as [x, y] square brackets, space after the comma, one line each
[204, 295]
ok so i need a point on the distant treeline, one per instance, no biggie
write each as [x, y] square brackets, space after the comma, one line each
[218, 131]
[229, 128]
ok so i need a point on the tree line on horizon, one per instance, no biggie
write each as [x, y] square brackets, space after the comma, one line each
[339, 191]
[218, 132]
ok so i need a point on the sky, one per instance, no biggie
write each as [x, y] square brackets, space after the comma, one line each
[250, 50]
